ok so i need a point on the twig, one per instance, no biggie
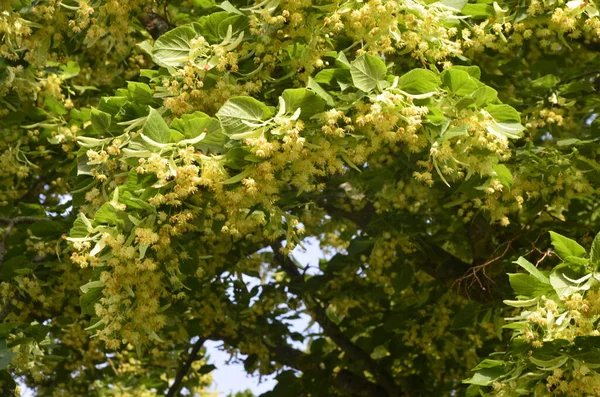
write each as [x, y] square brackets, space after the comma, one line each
[474, 270]
[174, 389]
[593, 72]
[546, 254]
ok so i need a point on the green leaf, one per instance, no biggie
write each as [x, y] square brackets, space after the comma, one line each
[485, 376]
[79, 229]
[595, 128]
[569, 142]
[459, 82]
[238, 178]
[454, 4]
[71, 69]
[478, 10]
[100, 121]
[464, 103]
[466, 316]
[113, 105]
[176, 136]
[32, 209]
[380, 352]
[503, 174]
[546, 82]
[595, 251]
[484, 95]
[142, 93]
[108, 214]
[525, 264]
[526, 285]
[339, 76]
[313, 85]
[6, 329]
[522, 303]
[348, 161]
[16, 265]
[473, 71]
[89, 299]
[565, 247]
[307, 101]
[575, 262]
[403, 276]
[549, 365]
[588, 355]
[92, 284]
[503, 113]
[436, 117]
[562, 286]
[214, 27]
[156, 128]
[368, 72]
[488, 363]
[173, 48]
[207, 368]
[473, 391]
[510, 130]
[54, 106]
[453, 132]
[242, 114]
[192, 125]
[37, 331]
[517, 325]
[342, 60]
[47, 228]
[5, 355]
[419, 81]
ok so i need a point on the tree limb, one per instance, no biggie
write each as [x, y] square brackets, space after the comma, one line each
[7, 233]
[22, 219]
[437, 262]
[174, 389]
[355, 353]
[345, 381]
[6, 311]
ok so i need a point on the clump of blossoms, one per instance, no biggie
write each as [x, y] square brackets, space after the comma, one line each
[554, 348]
[326, 115]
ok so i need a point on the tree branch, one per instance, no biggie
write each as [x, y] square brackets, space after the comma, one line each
[355, 353]
[7, 233]
[6, 311]
[22, 219]
[345, 381]
[174, 389]
[587, 74]
[437, 262]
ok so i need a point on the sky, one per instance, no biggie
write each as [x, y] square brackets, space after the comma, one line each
[232, 377]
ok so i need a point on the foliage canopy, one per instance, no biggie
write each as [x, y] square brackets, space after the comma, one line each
[160, 163]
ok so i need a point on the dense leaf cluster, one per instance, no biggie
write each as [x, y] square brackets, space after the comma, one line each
[162, 163]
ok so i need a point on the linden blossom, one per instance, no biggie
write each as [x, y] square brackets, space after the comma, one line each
[387, 132]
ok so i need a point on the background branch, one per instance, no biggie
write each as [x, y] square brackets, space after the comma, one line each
[174, 389]
[355, 353]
